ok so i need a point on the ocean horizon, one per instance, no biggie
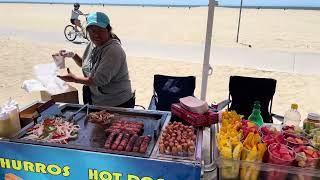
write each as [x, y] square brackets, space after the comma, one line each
[176, 3]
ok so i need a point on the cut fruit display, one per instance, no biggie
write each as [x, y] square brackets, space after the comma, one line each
[274, 138]
[268, 129]
[295, 140]
[282, 152]
[291, 130]
[248, 127]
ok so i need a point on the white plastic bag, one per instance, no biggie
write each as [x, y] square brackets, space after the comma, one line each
[46, 75]
[59, 61]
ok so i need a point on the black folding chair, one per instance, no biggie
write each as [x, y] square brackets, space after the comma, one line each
[169, 89]
[244, 91]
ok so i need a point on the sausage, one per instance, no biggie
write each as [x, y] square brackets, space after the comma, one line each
[131, 143]
[117, 141]
[144, 144]
[137, 144]
[123, 142]
[109, 131]
[110, 140]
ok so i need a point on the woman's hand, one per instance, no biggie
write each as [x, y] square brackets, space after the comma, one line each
[66, 53]
[70, 77]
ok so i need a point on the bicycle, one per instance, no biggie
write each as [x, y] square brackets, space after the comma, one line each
[71, 34]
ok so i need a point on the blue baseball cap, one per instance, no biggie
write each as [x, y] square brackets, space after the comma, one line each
[98, 19]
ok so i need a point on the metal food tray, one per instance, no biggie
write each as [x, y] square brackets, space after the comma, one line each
[191, 158]
[196, 158]
[92, 137]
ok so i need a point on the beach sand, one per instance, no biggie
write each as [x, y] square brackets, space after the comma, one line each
[290, 30]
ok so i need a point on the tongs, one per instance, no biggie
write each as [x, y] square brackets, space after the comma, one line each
[71, 118]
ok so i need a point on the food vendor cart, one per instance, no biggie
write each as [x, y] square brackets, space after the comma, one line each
[85, 156]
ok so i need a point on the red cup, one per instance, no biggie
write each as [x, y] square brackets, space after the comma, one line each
[273, 159]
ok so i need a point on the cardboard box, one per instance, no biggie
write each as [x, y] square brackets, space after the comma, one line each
[70, 96]
[27, 114]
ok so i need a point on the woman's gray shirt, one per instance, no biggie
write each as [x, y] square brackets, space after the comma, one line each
[107, 66]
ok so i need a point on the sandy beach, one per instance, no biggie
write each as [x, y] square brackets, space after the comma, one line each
[290, 30]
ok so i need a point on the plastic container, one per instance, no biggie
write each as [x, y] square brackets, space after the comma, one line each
[5, 125]
[306, 161]
[296, 130]
[271, 128]
[230, 169]
[276, 160]
[249, 172]
[312, 122]
[12, 109]
[292, 116]
[292, 140]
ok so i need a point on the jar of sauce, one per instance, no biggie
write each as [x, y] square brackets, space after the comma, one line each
[312, 122]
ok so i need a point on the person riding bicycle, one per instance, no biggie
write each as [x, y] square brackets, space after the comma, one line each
[75, 16]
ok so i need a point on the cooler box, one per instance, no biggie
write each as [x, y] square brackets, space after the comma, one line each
[196, 120]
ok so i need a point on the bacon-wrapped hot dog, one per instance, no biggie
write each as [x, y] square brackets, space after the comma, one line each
[110, 139]
[117, 142]
[123, 142]
[144, 144]
[131, 143]
[137, 144]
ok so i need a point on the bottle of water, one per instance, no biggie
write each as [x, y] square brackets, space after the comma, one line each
[292, 116]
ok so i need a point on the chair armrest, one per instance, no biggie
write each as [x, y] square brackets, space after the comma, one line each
[223, 104]
[277, 117]
[139, 106]
[152, 105]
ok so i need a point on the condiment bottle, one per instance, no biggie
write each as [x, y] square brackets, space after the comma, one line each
[5, 125]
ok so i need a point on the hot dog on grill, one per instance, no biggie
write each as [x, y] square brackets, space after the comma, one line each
[110, 139]
[117, 141]
[137, 144]
[131, 143]
[123, 142]
[144, 144]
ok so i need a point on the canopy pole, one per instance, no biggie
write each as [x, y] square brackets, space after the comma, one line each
[206, 66]
[239, 22]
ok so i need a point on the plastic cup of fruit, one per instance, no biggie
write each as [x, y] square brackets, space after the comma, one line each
[274, 138]
[291, 130]
[271, 139]
[281, 155]
[307, 157]
[295, 140]
[311, 159]
[249, 171]
[269, 129]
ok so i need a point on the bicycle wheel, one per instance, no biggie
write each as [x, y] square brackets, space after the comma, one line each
[70, 33]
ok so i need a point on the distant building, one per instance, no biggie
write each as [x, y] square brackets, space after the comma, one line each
[216, 3]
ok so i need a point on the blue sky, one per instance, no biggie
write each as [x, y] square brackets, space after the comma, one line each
[308, 3]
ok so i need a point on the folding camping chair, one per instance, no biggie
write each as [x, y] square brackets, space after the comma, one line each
[244, 91]
[169, 89]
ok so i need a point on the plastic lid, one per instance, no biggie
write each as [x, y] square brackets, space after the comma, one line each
[314, 116]
[3, 115]
[294, 106]
[11, 102]
[9, 108]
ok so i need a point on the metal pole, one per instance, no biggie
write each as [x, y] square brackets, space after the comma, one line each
[239, 21]
[206, 66]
